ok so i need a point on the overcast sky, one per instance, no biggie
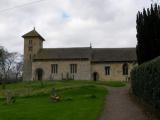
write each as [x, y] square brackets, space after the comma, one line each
[71, 23]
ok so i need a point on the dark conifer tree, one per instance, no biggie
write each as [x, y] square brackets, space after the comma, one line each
[148, 34]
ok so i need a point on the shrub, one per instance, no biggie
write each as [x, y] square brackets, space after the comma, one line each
[146, 82]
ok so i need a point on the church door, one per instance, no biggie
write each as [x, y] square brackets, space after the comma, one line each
[39, 74]
[95, 76]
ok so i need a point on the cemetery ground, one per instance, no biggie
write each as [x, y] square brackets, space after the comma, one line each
[79, 100]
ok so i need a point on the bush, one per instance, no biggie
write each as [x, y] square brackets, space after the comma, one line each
[146, 82]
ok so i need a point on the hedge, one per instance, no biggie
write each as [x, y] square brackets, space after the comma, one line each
[145, 81]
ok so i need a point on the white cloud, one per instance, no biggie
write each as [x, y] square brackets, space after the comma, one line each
[66, 23]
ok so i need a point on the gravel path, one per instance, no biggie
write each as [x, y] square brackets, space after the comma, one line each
[120, 107]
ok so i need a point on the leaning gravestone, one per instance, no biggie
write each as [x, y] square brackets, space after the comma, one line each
[53, 92]
[54, 96]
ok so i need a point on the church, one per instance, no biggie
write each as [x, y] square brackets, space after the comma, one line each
[77, 63]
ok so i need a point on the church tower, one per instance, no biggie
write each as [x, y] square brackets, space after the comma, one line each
[33, 42]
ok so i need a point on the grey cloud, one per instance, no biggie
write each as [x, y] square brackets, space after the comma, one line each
[105, 23]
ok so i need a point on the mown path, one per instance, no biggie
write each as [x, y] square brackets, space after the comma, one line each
[120, 107]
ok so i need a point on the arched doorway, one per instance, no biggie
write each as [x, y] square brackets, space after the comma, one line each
[125, 69]
[95, 76]
[39, 73]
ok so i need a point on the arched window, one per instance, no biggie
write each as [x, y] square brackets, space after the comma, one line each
[30, 42]
[125, 69]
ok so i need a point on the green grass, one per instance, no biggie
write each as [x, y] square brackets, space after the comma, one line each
[34, 88]
[82, 106]
[81, 100]
[113, 83]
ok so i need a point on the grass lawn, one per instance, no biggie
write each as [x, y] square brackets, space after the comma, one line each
[78, 103]
[113, 83]
[81, 100]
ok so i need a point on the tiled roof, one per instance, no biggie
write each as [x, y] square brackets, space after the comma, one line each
[33, 33]
[94, 54]
[113, 54]
[63, 53]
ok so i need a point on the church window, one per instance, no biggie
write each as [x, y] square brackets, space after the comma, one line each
[107, 70]
[73, 68]
[30, 42]
[125, 69]
[54, 68]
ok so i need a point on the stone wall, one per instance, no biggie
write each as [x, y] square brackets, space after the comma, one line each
[36, 45]
[116, 71]
[83, 70]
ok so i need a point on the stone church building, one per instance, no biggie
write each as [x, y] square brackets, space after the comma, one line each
[79, 63]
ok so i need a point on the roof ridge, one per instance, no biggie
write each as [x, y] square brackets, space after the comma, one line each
[67, 48]
[117, 48]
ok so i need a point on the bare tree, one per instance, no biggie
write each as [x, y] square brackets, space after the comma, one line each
[7, 61]
[18, 68]
[1, 54]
